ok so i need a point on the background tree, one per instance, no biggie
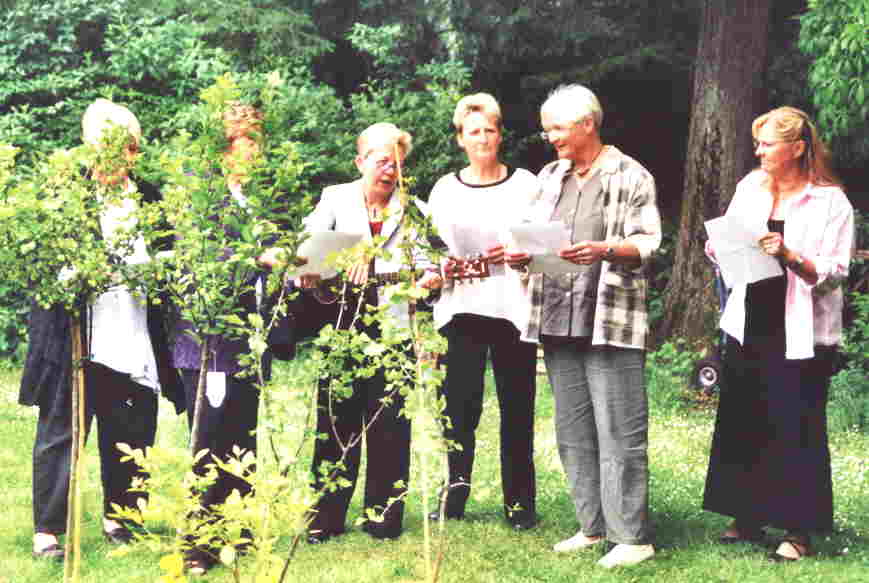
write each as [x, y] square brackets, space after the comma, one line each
[729, 91]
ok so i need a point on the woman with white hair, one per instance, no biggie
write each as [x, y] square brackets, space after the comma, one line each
[592, 323]
[471, 209]
[127, 366]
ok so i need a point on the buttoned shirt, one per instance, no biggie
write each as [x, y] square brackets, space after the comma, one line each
[630, 215]
[569, 298]
[820, 227]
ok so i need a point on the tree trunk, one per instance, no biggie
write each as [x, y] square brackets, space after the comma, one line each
[199, 403]
[72, 565]
[729, 91]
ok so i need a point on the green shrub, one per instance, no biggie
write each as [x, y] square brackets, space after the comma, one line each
[668, 370]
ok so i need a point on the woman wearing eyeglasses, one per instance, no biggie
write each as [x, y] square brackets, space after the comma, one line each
[770, 463]
[368, 207]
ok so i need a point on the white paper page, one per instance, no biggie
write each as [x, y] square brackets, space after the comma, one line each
[543, 241]
[473, 239]
[739, 256]
[317, 248]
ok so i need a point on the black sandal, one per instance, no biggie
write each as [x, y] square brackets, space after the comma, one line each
[53, 551]
[199, 560]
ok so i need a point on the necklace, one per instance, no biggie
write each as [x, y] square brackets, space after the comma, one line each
[582, 173]
[375, 213]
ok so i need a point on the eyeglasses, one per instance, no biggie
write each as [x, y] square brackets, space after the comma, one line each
[545, 135]
[758, 143]
[385, 164]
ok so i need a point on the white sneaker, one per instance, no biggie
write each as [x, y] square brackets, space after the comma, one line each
[577, 542]
[623, 555]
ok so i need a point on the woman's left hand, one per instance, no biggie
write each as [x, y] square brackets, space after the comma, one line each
[584, 252]
[773, 244]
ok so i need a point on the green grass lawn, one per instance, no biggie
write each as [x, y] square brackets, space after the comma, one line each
[482, 548]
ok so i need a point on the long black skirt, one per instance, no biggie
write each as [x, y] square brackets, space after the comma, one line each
[770, 461]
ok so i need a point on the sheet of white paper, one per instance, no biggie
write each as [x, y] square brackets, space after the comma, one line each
[317, 248]
[739, 256]
[471, 240]
[543, 241]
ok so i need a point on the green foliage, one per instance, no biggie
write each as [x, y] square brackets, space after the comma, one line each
[668, 371]
[835, 34]
[58, 56]
[50, 243]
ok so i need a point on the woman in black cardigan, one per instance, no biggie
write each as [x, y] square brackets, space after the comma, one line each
[122, 376]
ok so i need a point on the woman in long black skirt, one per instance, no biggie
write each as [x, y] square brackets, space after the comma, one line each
[770, 462]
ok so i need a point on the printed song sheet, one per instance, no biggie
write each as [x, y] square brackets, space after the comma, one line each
[471, 240]
[543, 241]
[738, 253]
[317, 249]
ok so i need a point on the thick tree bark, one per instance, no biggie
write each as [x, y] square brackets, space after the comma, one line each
[729, 91]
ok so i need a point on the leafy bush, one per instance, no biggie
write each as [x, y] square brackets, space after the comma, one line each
[668, 370]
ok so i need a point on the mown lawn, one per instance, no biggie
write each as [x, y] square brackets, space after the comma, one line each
[482, 548]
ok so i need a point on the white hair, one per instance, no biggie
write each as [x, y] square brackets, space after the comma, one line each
[575, 101]
[103, 114]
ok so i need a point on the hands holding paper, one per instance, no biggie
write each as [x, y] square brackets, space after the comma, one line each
[584, 252]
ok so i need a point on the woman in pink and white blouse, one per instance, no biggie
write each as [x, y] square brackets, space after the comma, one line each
[770, 462]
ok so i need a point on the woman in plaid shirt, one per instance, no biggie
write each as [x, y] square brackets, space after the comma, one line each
[592, 323]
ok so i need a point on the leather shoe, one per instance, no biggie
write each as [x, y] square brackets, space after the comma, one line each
[54, 552]
[118, 536]
[435, 516]
[381, 531]
[316, 537]
[522, 520]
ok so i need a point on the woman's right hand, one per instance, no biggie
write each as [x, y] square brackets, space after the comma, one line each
[309, 280]
[517, 259]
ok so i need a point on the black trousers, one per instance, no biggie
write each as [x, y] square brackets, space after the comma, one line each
[126, 412]
[387, 449]
[231, 422]
[471, 339]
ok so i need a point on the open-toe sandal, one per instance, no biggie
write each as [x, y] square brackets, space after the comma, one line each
[802, 549]
[198, 561]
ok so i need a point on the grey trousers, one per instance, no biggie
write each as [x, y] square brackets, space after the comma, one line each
[601, 427]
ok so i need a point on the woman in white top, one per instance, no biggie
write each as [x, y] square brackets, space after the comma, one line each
[471, 210]
[127, 364]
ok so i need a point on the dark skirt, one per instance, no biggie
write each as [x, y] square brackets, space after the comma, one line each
[770, 462]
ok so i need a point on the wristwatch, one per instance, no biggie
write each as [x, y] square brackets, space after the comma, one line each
[609, 253]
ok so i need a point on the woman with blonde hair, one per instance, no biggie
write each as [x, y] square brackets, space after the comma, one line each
[471, 209]
[370, 207]
[770, 462]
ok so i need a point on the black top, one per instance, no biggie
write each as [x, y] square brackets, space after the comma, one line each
[765, 308]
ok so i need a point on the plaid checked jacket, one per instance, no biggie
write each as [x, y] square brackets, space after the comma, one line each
[630, 215]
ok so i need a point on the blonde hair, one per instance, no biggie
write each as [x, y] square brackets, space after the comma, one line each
[790, 124]
[103, 114]
[576, 101]
[388, 133]
[476, 103]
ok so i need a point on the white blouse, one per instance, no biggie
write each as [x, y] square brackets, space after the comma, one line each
[119, 321]
[470, 218]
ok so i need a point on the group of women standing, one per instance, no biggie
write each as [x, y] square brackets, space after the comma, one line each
[769, 464]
